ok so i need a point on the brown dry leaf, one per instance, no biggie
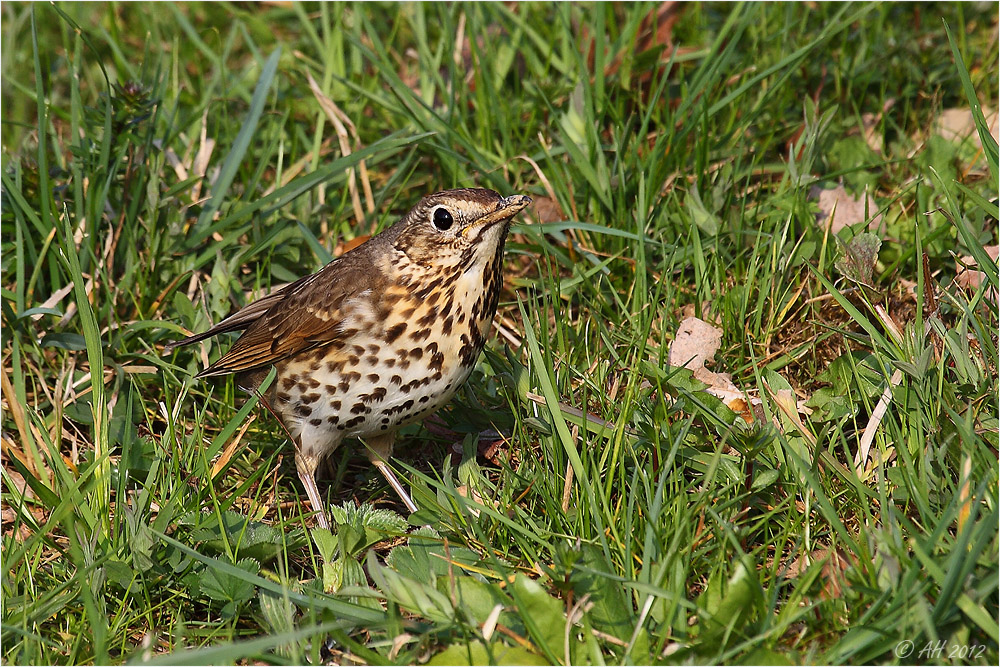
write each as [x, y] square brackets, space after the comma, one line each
[688, 310]
[869, 123]
[18, 482]
[695, 344]
[23, 530]
[742, 408]
[872, 137]
[957, 124]
[967, 276]
[664, 16]
[488, 446]
[834, 566]
[833, 575]
[9, 518]
[227, 453]
[16, 410]
[964, 496]
[655, 32]
[970, 278]
[546, 209]
[845, 209]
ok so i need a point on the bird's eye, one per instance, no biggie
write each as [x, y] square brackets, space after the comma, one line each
[442, 218]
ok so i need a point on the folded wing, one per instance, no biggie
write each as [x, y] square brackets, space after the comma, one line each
[303, 315]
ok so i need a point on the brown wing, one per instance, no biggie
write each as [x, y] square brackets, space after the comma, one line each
[308, 316]
[241, 319]
[302, 315]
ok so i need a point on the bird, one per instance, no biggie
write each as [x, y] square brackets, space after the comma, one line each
[378, 338]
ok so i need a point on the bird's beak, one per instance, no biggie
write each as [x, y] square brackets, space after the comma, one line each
[514, 203]
[507, 209]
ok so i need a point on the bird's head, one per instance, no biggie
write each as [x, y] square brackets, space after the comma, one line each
[457, 228]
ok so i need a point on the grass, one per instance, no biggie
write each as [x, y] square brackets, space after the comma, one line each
[162, 162]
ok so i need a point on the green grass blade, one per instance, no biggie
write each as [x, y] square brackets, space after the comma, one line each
[234, 158]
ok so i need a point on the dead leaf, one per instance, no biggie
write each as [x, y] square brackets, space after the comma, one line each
[9, 518]
[688, 310]
[742, 408]
[694, 345]
[227, 453]
[839, 209]
[971, 278]
[546, 209]
[664, 17]
[833, 575]
[872, 137]
[18, 482]
[957, 124]
[964, 496]
[860, 258]
[870, 122]
[835, 564]
[655, 34]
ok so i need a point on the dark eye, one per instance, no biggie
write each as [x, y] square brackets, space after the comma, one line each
[442, 218]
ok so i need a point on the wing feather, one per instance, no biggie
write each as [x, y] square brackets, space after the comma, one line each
[306, 315]
[239, 320]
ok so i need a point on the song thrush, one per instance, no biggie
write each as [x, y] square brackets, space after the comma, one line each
[379, 337]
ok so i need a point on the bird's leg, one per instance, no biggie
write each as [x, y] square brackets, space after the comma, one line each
[379, 450]
[306, 467]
